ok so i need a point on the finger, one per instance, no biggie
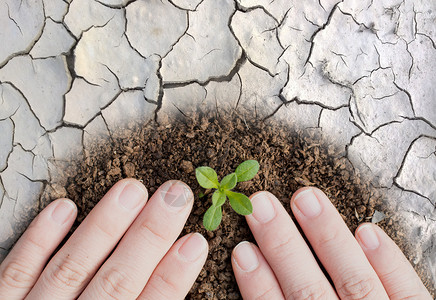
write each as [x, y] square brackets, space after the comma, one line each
[286, 251]
[22, 267]
[126, 272]
[335, 246]
[72, 267]
[255, 278]
[394, 270]
[178, 270]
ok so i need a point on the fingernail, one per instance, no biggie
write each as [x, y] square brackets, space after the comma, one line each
[176, 194]
[368, 237]
[245, 257]
[132, 196]
[263, 210]
[193, 247]
[307, 202]
[63, 211]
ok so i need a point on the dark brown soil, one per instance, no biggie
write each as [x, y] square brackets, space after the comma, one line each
[288, 160]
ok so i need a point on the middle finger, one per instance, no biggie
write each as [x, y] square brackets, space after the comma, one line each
[287, 253]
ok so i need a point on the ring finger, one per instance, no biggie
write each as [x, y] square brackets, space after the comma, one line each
[335, 246]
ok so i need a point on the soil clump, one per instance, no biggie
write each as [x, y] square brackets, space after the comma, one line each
[288, 160]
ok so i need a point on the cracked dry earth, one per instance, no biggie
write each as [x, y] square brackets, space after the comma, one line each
[360, 74]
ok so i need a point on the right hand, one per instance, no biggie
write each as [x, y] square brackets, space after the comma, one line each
[369, 266]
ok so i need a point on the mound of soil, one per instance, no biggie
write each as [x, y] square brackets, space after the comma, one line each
[288, 160]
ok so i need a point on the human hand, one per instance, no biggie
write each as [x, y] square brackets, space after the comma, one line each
[145, 264]
[369, 266]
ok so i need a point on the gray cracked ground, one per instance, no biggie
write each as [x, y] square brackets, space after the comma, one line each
[361, 73]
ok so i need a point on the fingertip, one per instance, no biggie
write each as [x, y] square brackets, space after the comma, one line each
[363, 226]
[245, 257]
[300, 194]
[242, 243]
[179, 267]
[64, 211]
[183, 184]
[367, 237]
[56, 201]
[303, 190]
[193, 247]
[185, 188]
[30, 254]
[257, 194]
[297, 193]
[255, 278]
[307, 203]
[205, 241]
[264, 209]
[391, 265]
[136, 182]
[176, 194]
[68, 202]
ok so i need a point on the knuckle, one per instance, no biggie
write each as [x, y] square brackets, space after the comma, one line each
[37, 243]
[268, 294]
[358, 286]
[107, 229]
[116, 284]
[164, 286]
[408, 296]
[154, 235]
[407, 292]
[408, 287]
[279, 247]
[69, 273]
[16, 275]
[328, 238]
[313, 291]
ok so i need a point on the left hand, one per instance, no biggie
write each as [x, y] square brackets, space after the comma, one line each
[124, 249]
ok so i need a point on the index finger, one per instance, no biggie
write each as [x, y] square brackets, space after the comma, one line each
[335, 246]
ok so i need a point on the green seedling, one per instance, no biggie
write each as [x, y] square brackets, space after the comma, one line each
[208, 178]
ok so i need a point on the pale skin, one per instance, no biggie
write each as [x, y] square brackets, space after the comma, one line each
[127, 248]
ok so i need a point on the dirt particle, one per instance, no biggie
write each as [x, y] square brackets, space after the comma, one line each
[187, 166]
[129, 169]
[288, 160]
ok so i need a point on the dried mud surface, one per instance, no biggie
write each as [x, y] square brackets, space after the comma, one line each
[288, 160]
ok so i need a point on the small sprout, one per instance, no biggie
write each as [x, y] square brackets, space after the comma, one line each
[247, 170]
[208, 179]
[218, 198]
[240, 203]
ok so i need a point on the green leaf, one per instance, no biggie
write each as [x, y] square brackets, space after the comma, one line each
[207, 177]
[201, 195]
[240, 203]
[229, 182]
[212, 218]
[218, 198]
[247, 170]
